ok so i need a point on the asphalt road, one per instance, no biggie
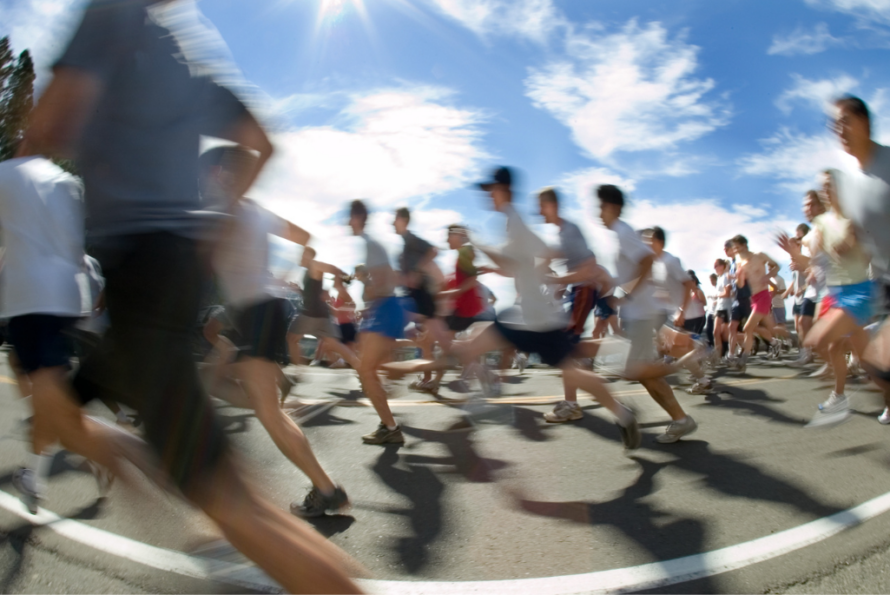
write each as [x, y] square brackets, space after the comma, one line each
[500, 494]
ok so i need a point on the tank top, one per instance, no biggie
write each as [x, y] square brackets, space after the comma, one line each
[343, 317]
[313, 305]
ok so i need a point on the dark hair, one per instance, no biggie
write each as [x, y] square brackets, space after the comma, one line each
[720, 262]
[358, 209]
[693, 276]
[611, 195]
[855, 106]
[712, 276]
[740, 239]
[658, 234]
[549, 195]
[403, 213]
[803, 228]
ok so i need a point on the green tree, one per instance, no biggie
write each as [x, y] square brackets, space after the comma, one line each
[16, 96]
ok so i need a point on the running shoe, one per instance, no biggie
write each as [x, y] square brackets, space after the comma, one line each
[630, 432]
[460, 385]
[835, 403]
[104, 479]
[563, 412]
[340, 364]
[805, 358]
[316, 504]
[884, 418]
[701, 387]
[676, 430]
[23, 481]
[383, 435]
[521, 362]
[823, 372]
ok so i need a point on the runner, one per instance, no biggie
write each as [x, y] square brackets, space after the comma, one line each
[694, 317]
[639, 314]
[865, 198]
[741, 305]
[343, 307]
[753, 273]
[315, 316]
[382, 324]
[711, 309]
[673, 286]
[241, 262]
[144, 124]
[778, 289]
[724, 309]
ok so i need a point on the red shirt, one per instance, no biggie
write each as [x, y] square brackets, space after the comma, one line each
[469, 303]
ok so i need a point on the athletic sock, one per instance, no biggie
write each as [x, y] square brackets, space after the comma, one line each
[391, 428]
[40, 465]
[625, 415]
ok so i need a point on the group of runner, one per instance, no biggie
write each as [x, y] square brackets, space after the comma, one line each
[160, 218]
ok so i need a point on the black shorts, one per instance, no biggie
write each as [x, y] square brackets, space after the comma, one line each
[808, 308]
[695, 325]
[723, 315]
[458, 324]
[347, 332]
[262, 330]
[552, 346]
[795, 310]
[41, 341]
[740, 313]
[423, 301]
[603, 309]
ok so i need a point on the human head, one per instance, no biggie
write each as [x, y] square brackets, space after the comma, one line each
[713, 278]
[720, 266]
[358, 217]
[740, 243]
[225, 171]
[403, 218]
[307, 257]
[655, 237]
[729, 249]
[457, 236]
[802, 230]
[852, 124]
[812, 205]
[499, 187]
[548, 200]
[693, 276]
[611, 203]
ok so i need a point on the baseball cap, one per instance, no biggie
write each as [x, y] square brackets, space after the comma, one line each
[501, 175]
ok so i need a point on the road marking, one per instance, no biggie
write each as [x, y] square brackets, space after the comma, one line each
[634, 578]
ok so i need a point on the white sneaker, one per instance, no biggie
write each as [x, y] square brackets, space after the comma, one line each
[563, 412]
[701, 387]
[835, 403]
[824, 372]
[676, 430]
[805, 358]
[884, 418]
[522, 362]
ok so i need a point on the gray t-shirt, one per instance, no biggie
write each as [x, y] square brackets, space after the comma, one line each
[865, 200]
[573, 245]
[377, 258]
[139, 152]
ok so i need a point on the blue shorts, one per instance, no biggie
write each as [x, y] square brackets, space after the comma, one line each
[854, 300]
[386, 317]
[603, 309]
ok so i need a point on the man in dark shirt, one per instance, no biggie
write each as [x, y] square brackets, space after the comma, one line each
[124, 103]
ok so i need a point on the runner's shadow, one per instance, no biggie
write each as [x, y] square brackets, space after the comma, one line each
[748, 401]
[330, 525]
[663, 534]
[17, 539]
[421, 486]
[235, 424]
[464, 459]
[325, 418]
[530, 424]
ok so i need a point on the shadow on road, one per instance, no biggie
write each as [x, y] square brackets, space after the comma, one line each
[749, 401]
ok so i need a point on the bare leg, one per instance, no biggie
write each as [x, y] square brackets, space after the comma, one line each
[663, 394]
[343, 351]
[376, 349]
[260, 379]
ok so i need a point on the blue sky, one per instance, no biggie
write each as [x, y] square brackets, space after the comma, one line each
[711, 114]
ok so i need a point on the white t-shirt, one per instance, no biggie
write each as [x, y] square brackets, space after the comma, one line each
[668, 276]
[724, 303]
[631, 250]
[711, 298]
[850, 268]
[41, 218]
[818, 265]
[800, 280]
[242, 259]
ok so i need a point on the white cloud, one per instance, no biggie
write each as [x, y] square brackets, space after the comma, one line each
[392, 147]
[633, 90]
[803, 42]
[41, 26]
[869, 10]
[817, 94]
[531, 19]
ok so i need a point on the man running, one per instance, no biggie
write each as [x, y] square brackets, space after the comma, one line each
[124, 102]
[753, 272]
[639, 314]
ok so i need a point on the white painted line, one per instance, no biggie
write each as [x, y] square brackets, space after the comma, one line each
[643, 577]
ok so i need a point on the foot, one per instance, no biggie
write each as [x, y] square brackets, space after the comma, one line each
[316, 504]
[823, 372]
[701, 387]
[835, 404]
[884, 418]
[563, 412]
[383, 435]
[340, 364]
[104, 479]
[630, 431]
[24, 481]
[676, 430]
